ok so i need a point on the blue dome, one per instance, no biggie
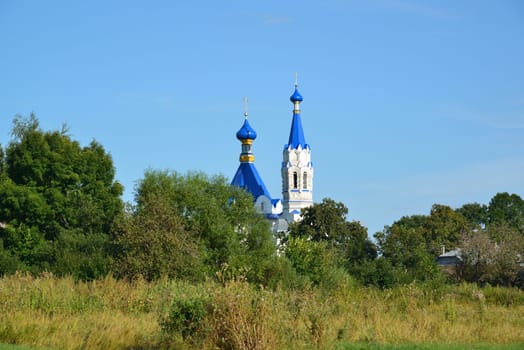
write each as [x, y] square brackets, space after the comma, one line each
[296, 97]
[246, 132]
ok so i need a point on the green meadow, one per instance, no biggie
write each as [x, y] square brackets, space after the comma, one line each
[47, 312]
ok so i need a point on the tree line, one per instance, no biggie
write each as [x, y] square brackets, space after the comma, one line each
[61, 211]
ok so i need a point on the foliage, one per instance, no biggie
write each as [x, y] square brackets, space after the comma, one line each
[507, 209]
[405, 250]
[476, 214]
[493, 256]
[154, 243]
[187, 318]
[324, 227]
[503, 209]
[492, 251]
[54, 191]
[443, 228]
[309, 258]
[413, 243]
[325, 221]
[185, 221]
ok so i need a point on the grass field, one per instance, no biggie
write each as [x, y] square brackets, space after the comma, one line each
[14, 347]
[432, 347]
[58, 313]
[377, 347]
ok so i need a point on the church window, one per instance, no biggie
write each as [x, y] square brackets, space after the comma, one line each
[304, 181]
[295, 180]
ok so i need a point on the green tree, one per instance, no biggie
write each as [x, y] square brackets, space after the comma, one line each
[326, 223]
[309, 258]
[54, 192]
[154, 243]
[476, 214]
[507, 209]
[211, 222]
[443, 228]
[404, 248]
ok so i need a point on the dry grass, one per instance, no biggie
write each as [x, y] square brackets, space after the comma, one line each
[57, 313]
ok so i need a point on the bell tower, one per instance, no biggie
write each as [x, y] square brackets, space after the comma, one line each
[297, 169]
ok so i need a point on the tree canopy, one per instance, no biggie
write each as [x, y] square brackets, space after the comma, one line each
[192, 225]
[53, 195]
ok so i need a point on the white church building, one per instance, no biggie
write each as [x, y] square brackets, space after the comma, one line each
[297, 173]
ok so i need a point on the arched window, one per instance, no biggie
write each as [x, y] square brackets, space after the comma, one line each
[295, 180]
[304, 181]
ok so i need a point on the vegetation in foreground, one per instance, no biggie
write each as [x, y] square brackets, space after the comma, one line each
[59, 313]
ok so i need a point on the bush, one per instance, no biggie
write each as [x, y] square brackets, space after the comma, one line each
[186, 318]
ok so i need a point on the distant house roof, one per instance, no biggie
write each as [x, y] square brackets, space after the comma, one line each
[450, 258]
[452, 253]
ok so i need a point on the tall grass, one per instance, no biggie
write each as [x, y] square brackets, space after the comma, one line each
[59, 313]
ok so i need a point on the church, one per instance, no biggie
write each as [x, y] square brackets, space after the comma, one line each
[297, 172]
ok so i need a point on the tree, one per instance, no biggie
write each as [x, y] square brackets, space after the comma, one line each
[412, 243]
[405, 249]
[493, 256]
[326, 222]
[509, 257]
[154, 243]
[507, 209]
[309, 258]
[477, 256]
[55, 191]
[443, 228]
[194, 218]
[476, 214]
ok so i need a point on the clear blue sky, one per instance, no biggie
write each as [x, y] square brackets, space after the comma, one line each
[406, 103]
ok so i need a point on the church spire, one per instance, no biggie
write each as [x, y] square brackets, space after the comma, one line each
[297, 169]
[296, 135]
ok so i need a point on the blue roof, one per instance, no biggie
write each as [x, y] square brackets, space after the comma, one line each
[247, 177]
[296, 135]
[246, 132]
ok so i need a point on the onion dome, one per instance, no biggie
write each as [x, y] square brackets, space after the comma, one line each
[246, 132]
[296, 97]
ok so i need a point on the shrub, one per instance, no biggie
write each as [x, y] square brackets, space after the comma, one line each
[186, 318]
